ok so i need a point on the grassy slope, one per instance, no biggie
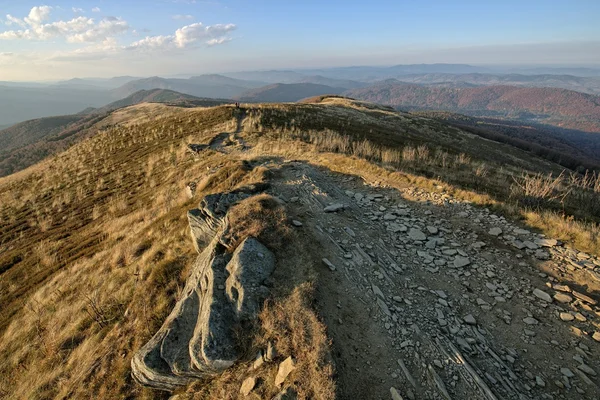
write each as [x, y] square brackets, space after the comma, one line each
[102, 226]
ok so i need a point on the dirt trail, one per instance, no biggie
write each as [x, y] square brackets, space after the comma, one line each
[226, 141]
[442, 300]
[431, 298]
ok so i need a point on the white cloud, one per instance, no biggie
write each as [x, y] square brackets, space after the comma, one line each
[96, 9]
[77, 10]
[182, 17]
[210, 35]
[37, 15]
[10, 20]
[76, 30]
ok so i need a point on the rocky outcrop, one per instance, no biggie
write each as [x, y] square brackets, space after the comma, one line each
[223, 292]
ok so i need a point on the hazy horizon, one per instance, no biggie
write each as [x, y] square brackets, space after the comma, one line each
[103, 39]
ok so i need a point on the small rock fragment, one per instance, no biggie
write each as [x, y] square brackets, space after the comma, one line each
[285, 368]
[460, 261]
[247, 386]
[530, 321]
[395, 394]
[563, 298]
[566, 316]
[495, 232]
[334, 208]
[416, 234]
[271, 352]
[540, 294]
[329, 264]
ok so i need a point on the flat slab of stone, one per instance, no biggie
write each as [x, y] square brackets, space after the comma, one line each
[198, 338]
[334, 208]
[416, 234]
[285, 368]
[540, 294]
[460, 261]
[563, 298]
[495, 231]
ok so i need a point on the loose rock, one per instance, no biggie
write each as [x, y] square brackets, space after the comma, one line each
[285, 368]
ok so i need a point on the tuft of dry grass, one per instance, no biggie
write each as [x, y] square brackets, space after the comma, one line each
[262, 217]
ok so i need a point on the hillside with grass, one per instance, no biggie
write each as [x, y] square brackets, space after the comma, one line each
[26, 143]
[329, 249]
[558, 107]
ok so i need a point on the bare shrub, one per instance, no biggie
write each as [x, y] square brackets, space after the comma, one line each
[538, 188]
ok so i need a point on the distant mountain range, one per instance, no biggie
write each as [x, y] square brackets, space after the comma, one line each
[559, 107]
[21, 101]
[589, 85]
[286, 92]
[216, 86]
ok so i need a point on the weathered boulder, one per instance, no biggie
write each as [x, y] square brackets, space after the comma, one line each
[208, 220]
[251, 264]
[223, 291]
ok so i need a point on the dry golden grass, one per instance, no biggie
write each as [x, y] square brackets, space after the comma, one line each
[261, 217]
[81, 293]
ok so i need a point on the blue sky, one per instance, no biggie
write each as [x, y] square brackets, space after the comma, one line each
[62, 39]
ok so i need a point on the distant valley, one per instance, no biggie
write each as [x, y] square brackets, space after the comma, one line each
[559, 107]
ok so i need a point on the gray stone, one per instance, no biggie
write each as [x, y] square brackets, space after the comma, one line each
[334, 208]
[271, 352]
[587, 369]
[432, 230]
[384, 307]
[296, 223]
[394, 393]
[395, 228]
[416, 234]
[530, 245]
[530, 321]
[460, 261]
[539, 381]
[540, 294]
[567, 372]
[470, 319]
[329, 264]
[198, 337]
[495, 232]
[252, 263]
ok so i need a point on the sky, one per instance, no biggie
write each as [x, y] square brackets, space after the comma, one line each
[103, 38]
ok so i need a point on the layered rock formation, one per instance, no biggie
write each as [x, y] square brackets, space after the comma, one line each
[223, 292]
